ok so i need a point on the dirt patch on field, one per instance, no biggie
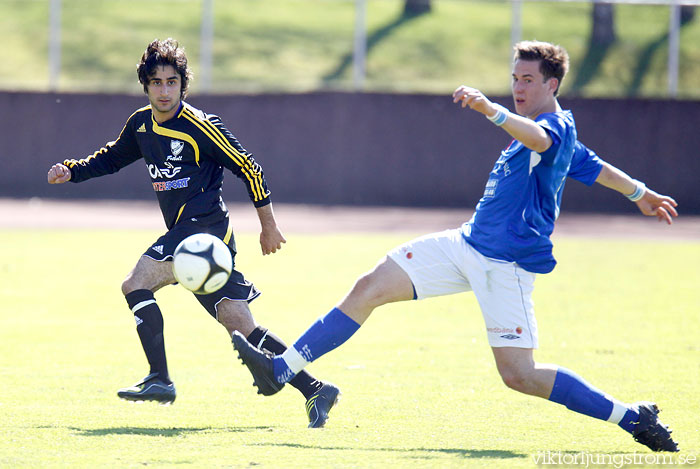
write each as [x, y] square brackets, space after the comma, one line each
[62, 214]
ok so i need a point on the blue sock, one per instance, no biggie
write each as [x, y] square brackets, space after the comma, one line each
[577, 395]
[326, 334]
[629, 421]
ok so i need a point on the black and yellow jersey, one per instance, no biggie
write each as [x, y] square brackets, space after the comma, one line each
[185, 157]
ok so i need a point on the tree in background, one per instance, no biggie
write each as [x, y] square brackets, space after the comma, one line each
[416, 7]
[687, 14]
[603, 20]
[602, 37]
[603, 32]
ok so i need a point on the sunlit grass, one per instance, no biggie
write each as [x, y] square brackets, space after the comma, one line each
[420, 387]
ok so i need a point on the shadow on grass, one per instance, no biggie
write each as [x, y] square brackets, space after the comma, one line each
[372, 40]
[645, 56]
[596, 54]
[589, 66]
[412, 452]
[168, 432]
[643, 63]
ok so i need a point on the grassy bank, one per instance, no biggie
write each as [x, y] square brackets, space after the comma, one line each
[299, 45]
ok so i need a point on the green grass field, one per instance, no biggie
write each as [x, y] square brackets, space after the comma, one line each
[299, 45]
[420, 387]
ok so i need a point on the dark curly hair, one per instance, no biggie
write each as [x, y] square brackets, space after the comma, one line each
[554, 60]
[163, 53]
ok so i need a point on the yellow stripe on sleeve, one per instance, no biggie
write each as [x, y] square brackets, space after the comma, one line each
[254, 180]
[72, 162]
[220, 140]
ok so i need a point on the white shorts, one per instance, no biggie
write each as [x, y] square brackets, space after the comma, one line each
[444, 263]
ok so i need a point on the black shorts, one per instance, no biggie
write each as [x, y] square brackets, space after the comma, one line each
[237, 287]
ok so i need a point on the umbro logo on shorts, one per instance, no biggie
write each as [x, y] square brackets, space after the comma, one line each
[510, 336]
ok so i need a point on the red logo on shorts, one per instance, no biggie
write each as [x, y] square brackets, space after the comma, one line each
[409, 255]
[519, 330]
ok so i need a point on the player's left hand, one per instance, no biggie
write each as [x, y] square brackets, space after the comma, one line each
[662, 207]
[271, 239]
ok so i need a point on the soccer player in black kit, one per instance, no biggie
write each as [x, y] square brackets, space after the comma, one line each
[186, 151]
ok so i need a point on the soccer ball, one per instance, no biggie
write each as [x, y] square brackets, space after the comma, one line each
[202, 263]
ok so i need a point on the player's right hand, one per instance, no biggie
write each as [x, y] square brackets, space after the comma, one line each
[58, 174]
[473, 98]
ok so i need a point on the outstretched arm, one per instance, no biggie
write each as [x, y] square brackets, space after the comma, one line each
[525, 130]
[271, 238]
[649, 202]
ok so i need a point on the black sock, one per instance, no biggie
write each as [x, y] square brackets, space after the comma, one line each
[303, 381]
[149, 325]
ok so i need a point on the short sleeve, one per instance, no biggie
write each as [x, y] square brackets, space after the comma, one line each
[585, 165]
[556, 127]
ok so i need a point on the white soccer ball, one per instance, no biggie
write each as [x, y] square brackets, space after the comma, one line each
[202, 263]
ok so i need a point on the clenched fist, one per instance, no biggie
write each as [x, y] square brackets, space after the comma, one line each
[58, 174]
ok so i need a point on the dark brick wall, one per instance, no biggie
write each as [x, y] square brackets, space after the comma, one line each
[357, 149]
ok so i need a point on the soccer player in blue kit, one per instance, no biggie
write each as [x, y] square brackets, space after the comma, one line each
[186, 151]
[497, 253]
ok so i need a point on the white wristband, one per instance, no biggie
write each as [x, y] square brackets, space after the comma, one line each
[501, 115]
[639, 189]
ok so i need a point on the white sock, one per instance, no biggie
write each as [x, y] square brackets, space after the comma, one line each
[619, 410]
[295, 361]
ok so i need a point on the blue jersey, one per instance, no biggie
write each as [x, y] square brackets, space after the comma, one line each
[515, 217]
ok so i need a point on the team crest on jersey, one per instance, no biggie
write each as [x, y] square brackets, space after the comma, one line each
[176, 147]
